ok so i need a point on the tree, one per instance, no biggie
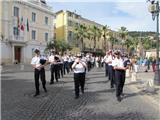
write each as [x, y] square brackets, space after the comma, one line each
[111, 38]
[80, 34]
[105, 32]
[50, 45]
[89, 35]
[147, 43]
[62, 46]
[123, 32]
[58, 45]
[95, 31]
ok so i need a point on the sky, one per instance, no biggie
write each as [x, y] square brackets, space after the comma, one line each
[132, 14]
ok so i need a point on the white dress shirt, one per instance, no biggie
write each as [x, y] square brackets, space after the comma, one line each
[51, 58]
[118, 62]
[109, 59]
[36, 61]
[79, 68]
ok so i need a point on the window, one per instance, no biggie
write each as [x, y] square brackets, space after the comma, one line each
[76, 24]
[16, 11]
[46, 36]
[70, 14]
[69, 23]
[33, 17]
[15, 31]
[55, 36]
[33, 35]
[76, 16]
[46, 20]
[69, 33]
[70, 36]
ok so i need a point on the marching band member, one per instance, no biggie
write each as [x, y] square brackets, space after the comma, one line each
[79, 74]
[120, 68]
[110, 67]
[38, 64]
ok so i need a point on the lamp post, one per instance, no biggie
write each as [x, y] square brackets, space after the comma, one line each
[154, 8]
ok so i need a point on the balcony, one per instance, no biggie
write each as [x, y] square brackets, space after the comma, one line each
[16, 39]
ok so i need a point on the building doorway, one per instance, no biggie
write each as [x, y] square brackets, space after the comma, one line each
[17, 52]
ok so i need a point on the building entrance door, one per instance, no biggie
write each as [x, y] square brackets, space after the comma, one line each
[17, 51]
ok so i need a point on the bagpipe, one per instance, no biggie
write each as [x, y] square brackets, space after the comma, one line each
[42, 61]
[57, 59]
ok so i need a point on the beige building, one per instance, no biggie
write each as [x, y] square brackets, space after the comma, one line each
[65, 23]
[24, 26]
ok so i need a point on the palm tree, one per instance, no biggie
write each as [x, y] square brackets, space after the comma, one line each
[99, 34]
[105, 32]
[95, 31]
[80, 34]
[111, 39]
[123, 32]
[89, 35]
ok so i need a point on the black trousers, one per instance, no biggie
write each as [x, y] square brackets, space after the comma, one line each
[89, 65]
[79, 81]
[70, 65]
[120, 80]
[41, 74]
[106, 69]
[54, 72]
[111, 75]
[66, 67]
[61, 69]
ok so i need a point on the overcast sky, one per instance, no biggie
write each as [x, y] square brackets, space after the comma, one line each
[132, 14]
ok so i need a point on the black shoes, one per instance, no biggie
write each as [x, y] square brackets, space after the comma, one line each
[82, 91]
[119, 99]
[45, 90]
[112, 86]
[36, 94]
[122, 95]
[51, 83]
[76, 97]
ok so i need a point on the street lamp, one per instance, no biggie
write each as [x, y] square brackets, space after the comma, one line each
[154, 8]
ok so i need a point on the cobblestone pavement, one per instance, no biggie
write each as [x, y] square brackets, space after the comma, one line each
[142, 84]
[97, 103]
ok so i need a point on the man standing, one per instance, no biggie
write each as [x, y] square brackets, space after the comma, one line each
[106, 64]
[79, 74]
[54, 68]
[38, 64]
[66, 64]
[120, 68]
[110, 68]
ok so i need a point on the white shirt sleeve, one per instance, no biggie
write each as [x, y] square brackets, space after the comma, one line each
[33, 62]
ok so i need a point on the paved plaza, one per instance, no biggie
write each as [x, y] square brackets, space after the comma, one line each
[97, 103]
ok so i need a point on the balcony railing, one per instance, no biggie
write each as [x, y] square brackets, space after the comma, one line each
[16, 38]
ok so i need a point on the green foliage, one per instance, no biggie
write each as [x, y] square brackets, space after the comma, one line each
[123, 32]
[147, 43]
[58, 45]
[50, 45]
[80, 33]
[96, 34]
[62, 45]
